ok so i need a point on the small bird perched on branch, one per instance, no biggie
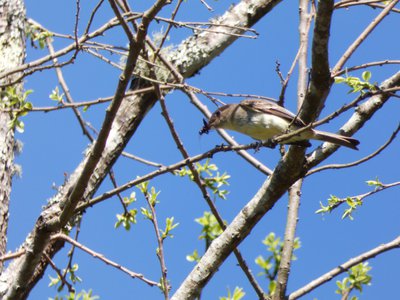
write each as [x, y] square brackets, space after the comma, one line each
[263, 120]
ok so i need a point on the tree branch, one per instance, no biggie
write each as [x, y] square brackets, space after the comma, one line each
[321, 81]
[104, 259]
[353, 47]
[344, 267]
[363, 113]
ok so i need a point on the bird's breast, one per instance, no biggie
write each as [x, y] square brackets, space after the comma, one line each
[261, 126]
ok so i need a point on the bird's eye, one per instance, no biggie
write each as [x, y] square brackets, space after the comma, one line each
[218, 113]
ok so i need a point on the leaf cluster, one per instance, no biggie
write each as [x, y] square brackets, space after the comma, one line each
[210, 176]
[270, 264]
[358, 85]
[82, 295]
[237, 294]
[16, 102]
[357, 278]
[37, 34]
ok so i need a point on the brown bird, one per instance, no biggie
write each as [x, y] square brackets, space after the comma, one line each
[263, 120]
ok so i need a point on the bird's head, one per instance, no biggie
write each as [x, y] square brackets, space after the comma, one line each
[217, 120]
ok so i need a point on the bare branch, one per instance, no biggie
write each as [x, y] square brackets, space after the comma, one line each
[96, 8]
[163, 170]
[360, 161]
[353, 47]
[372, 3]
[104, 259]
[321, 81]
[344, 267]
[366, 65]
[289, 239]
[13, 255]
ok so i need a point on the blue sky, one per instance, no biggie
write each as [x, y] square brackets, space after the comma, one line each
[53, 147]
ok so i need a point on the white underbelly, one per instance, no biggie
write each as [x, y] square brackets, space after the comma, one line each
[263, 126]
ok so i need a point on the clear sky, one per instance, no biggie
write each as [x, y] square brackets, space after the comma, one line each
[53, 146]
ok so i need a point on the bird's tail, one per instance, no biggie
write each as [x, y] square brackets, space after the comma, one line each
[336, 139]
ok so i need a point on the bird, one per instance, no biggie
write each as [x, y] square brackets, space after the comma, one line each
[264, 120]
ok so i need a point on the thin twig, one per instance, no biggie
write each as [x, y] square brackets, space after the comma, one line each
[78, 9]
[165, 36]
[206, 5]
[295, 189]
[353, 47]
[96, 8]
[372, 3]
[160, 249]
[366, 65]
[34, 66]
[86, 103]
[12, 255]
[142, 160]
[360, 161]
[104, 259]
[67, 93]
[285, 81]
[121, 20]
[163, 170]
[289, 240]
[344, 267]
[59, 274]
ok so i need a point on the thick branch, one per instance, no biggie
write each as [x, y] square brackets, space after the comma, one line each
[320, 73]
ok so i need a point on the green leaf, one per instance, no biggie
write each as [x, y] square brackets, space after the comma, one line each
[375, 183]
[20, 126]
[27, 106]
[145, 212]
[55, 95]
[143, 186]
[194, 257]
[168, 228]
[237, 294]
[209, 175]
[211, 228]
[126, 219]
[272, 287]
[339, 79]
[366, 76]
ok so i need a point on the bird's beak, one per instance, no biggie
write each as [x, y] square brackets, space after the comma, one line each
[206, 127]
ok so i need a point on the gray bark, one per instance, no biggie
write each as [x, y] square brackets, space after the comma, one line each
[12, 54]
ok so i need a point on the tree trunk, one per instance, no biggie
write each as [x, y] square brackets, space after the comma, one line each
[12, 54]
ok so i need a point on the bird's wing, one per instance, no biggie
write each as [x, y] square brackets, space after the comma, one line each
[269, 107]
